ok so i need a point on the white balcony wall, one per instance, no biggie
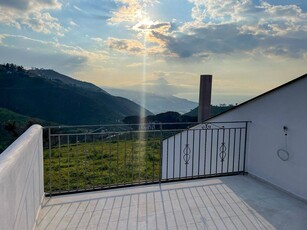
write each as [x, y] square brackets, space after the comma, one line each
[269, 113]
[21, 181]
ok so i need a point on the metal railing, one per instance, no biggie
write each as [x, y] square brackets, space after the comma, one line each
[88, 158]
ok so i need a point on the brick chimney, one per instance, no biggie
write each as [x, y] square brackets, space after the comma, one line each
[204, 109]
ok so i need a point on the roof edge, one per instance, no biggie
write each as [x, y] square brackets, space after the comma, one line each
[260, 96]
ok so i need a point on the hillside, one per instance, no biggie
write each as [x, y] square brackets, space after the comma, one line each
[13, 125]
[168, 117]
[155, 103]
[34, 96]
[52, 75]
[215, 110]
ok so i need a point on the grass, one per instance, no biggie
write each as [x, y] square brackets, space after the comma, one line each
[78, 162]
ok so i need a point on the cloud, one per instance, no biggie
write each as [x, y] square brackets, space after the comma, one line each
[77, 8]
[43, 23]
[31, 5]
[96, 39]
[220, 10]
[148, 40]
[64, 57]
[136, 48]
[150, 31]
[149, 25]
[236, 26]
[72, 23]
[130, 11]
[219, 27]
[126, 45]
[213, 39]
[32, 14]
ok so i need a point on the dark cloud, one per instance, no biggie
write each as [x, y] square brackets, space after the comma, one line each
[228, 39]
[28, 4]
[126, 45]
[218, 39]
[285, 46]
[17, 4]
[248, 26]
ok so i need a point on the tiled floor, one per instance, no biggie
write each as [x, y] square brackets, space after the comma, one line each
[237, 202]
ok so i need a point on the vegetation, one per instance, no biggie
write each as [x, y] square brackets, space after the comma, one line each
[12, 125]
[53, 75]
[32, 95]
[215, 110]
[95, 161]
[168, 117]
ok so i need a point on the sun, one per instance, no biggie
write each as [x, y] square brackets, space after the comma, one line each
[144, 24]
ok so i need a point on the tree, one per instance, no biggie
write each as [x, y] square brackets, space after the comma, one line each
[12, 128]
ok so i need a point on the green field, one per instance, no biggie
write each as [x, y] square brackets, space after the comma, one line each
[78, 163]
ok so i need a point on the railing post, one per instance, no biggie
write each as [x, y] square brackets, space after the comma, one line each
[49, 139]
[245, 147]
[161, 153]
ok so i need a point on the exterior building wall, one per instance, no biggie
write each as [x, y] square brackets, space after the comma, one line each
[21, 181]
[286, 106]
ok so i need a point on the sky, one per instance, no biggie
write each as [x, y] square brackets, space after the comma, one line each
[249, 46]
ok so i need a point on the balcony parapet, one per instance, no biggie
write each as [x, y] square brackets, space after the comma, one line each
[21, 180]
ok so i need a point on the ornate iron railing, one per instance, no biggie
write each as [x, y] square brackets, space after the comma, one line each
[210, 149]
[88, 158]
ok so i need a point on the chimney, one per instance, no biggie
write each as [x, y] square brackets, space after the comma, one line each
[204, 109]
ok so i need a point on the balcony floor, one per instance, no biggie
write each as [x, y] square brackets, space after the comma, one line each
[236, 202]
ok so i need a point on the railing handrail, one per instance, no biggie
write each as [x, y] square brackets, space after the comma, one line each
[139, 131]
[149, 123]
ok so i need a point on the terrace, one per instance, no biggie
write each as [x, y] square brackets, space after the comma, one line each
[153, 177]
[236, 202]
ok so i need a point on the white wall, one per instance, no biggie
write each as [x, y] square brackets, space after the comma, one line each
[286, 106]
[21, 181]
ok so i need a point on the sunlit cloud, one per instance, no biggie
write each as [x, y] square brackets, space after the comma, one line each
[129, 46]
[32, 14]
[130, 11]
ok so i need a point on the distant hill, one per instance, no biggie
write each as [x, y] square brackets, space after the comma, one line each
[171, 118]
[215, 110]
[53, 75]
[13, 125]
[168, 117]
[32, 95]
[156, 103]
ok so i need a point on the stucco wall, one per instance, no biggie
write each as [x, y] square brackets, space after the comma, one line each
[286, 106]
[21, 180]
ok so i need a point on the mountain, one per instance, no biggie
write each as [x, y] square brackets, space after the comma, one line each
[167, 117]
[55, 76]
[32, 95]
[155, 103]
[215, 110]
